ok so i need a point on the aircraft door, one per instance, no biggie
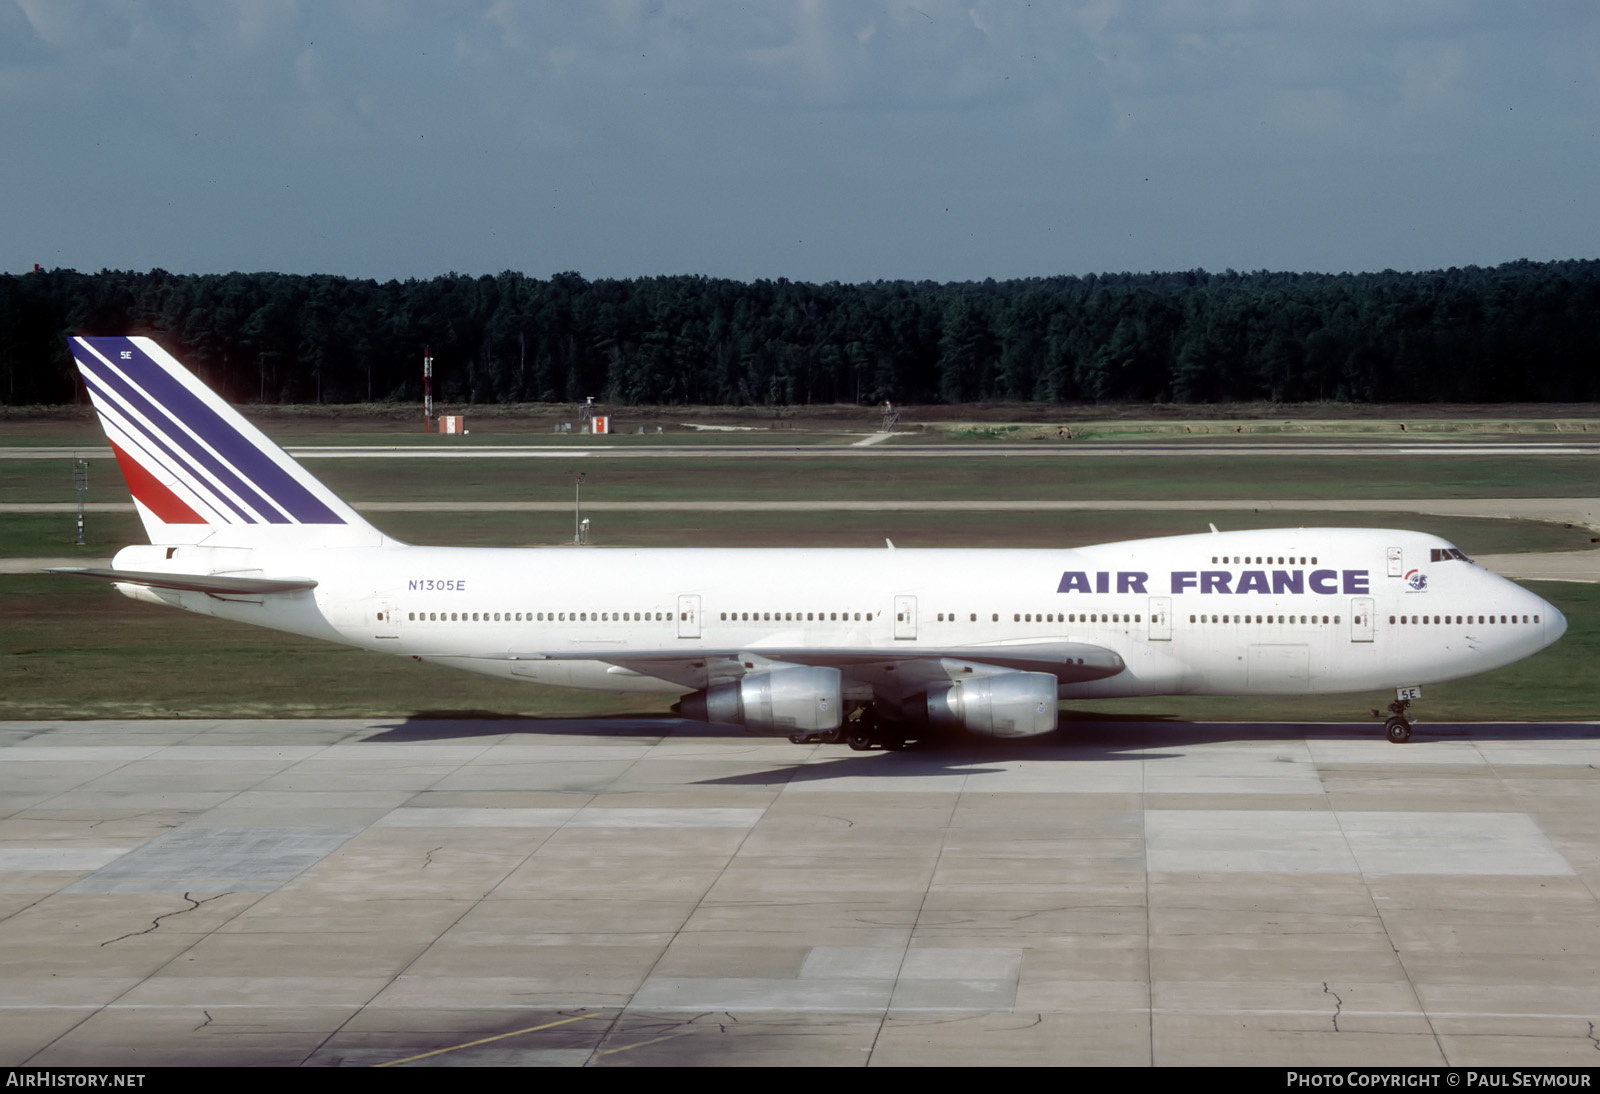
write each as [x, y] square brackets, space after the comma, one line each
[689, 615]
[1397, 565]
[905, 617]
[1161, 619]
[1361, 623]
[385, 618]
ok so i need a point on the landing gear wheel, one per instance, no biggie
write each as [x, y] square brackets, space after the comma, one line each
[862, 733]
[1398, 730]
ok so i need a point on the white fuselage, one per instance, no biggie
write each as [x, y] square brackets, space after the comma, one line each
[1282, 611]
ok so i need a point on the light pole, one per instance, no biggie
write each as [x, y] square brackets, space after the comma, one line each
[80, 479]
[577, 507]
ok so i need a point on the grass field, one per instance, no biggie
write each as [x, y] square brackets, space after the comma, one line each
[878, 475]
[1019, 422]
[50, 535]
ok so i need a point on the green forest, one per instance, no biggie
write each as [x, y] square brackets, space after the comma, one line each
[1520, 332]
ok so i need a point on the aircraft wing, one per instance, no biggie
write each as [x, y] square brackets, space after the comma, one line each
[890, 669]
[195, 583]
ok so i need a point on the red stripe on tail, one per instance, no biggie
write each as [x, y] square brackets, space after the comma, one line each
[152, 494]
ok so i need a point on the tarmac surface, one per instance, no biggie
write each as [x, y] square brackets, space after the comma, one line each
[1580, 511]
[651, 891]
[871, 447]
[1583, 566]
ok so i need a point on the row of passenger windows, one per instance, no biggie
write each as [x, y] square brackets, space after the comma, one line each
[1419, 620]
[794, 617]
[1264, 560]
[541, 617]
[834, 617]
[1073, 617]
[1260, 619]
[1050, 617]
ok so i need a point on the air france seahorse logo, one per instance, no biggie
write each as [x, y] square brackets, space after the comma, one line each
[1417, 580]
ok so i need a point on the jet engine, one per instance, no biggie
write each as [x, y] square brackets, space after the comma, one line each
[1010, 704]
[792, 700]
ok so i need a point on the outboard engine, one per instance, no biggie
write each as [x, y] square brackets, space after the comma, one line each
[783, 701]
[1009, 704]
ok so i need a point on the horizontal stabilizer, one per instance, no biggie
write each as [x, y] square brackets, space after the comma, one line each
[193, 583]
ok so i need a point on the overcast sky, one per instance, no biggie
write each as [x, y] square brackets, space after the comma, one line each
[817, 141]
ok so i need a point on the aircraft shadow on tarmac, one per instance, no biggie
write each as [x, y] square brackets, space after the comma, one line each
[1096, 737]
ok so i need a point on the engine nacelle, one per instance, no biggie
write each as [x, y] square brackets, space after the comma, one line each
[783, 701]
[1010, 704]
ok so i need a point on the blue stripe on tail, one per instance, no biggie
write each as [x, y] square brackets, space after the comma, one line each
[164, 400]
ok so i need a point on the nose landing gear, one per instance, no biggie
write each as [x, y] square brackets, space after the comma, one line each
[1398, 727]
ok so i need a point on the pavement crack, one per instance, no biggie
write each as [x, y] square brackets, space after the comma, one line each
[132, 816]
[156, 922]
[427, 859]
[1338, 1005]
[204, 1024]
[1592, 1038]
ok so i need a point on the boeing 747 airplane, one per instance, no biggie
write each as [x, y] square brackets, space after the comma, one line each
[875, 646]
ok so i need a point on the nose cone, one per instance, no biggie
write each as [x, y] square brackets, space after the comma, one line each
[1555, 624]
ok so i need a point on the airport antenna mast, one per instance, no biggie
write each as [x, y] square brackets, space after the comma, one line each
[427, 389]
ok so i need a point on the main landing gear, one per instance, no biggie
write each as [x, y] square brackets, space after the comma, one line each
[862, 730]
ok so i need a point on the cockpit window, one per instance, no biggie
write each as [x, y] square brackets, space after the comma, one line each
[1447, 554]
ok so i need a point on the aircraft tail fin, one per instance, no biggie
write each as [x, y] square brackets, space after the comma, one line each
[198, 472]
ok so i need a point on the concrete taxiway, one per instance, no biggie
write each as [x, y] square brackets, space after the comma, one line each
[650, 891]
[1583, 511]
[1582, 566]
[871, 447]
